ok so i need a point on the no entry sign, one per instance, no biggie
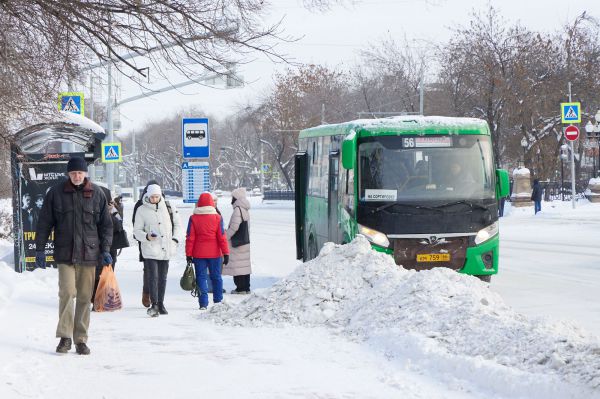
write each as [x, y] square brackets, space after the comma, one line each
[571, 133]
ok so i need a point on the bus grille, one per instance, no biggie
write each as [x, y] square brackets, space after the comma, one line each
[407, 249]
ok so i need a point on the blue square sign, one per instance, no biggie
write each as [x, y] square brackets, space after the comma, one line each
[195, 138]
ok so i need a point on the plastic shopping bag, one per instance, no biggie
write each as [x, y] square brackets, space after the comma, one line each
[108, 295]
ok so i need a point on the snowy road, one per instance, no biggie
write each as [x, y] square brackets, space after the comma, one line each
[549, 263]
[182, 355]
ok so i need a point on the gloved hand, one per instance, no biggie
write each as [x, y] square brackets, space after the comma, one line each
[225, 259]
[40, 259]
[106, 258]
[189, 259]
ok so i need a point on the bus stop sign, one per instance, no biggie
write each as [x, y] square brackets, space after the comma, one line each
[571, 133]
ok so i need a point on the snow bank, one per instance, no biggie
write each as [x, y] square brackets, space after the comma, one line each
[361, 293]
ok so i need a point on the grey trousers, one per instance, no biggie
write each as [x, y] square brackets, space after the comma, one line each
[157, 279]
[75, 287]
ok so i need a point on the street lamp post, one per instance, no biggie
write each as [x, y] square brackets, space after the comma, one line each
[524, 145]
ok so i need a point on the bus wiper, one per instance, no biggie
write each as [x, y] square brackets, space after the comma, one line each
[470, 203]
[382, 207]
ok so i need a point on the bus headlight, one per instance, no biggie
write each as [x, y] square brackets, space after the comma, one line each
[376, 237]
[486, 233]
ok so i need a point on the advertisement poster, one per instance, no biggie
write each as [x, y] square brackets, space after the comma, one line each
[34, 182]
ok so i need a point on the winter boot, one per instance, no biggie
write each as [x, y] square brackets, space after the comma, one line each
[64, 345]
[162, 309]
[146, 299]
[153, 310]
[82, 349]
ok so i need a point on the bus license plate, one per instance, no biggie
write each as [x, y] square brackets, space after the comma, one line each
[433, 258]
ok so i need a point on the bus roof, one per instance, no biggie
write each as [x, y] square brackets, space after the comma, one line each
[407, 124]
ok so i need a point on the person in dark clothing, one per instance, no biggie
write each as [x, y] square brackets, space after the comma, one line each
[536, 195]
[145, 293]
[77, 211]
[119, 236]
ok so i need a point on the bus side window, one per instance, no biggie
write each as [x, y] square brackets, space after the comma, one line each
[349, 191]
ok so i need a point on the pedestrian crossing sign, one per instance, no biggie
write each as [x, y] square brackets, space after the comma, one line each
[71, 102]
[111, 152]
[570, 112]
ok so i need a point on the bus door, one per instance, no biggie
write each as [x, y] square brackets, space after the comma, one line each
[333, 198]
[300, 180]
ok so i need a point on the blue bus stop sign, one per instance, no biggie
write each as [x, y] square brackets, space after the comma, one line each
[195, 138]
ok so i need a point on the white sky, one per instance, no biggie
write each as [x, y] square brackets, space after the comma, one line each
[334, 38]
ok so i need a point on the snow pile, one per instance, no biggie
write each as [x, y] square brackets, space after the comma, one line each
[363, 294]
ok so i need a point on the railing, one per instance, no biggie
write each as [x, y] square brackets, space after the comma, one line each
[278, 195]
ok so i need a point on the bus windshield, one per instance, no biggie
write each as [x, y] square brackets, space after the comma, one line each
[425, 168]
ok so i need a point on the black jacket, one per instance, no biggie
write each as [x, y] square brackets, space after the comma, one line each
[82, 226]
[536, 194]
[119, 234]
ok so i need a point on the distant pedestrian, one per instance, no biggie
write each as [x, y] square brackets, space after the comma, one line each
[239, 265]
[158, 230]
[119, 235]
[78, 212]
[536, 195]
[204, 246]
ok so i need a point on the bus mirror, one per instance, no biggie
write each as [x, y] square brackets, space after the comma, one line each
[349, 151]
[503, 183]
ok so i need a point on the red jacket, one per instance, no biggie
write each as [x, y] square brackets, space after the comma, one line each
[205, 234]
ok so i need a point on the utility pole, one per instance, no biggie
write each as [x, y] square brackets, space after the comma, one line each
[421, 94]
[108, 167]
[135, 170]
[572, 163]
[92, 172]
[322, 113]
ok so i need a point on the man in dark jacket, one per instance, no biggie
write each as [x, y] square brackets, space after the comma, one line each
[77, 211]
[536, 195]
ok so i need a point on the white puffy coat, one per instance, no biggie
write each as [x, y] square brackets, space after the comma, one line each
[239, 257]
[155, 218]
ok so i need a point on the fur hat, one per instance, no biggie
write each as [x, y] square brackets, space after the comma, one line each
[77, 164]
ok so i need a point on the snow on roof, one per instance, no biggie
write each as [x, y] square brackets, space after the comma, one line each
[417, 122]
[594, 181]
[81, 121]
[364, 294]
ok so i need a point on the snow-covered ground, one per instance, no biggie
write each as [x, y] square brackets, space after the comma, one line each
[346, 325]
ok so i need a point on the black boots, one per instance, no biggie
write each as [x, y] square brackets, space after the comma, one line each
[82, 349]
[64, 345]
[153, 311]
[161, 308]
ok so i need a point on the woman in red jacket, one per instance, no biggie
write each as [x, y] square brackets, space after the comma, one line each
[204, 245]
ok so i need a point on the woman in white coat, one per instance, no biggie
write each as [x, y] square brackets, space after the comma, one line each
[157, 228]
[239, 257]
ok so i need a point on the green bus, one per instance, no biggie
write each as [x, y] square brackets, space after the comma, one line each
[421, 189]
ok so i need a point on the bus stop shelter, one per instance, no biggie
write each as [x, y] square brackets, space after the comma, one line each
[39, 156]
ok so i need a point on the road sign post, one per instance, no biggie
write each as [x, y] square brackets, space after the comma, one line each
[572, 133]
[111, 152]
[71, 102]
[570, 112]
[195, 138]
[195, 180]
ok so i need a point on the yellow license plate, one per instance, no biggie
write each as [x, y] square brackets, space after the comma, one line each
[433, 257]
